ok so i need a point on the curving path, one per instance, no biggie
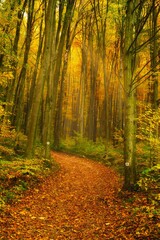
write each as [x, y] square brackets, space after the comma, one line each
[78, 202]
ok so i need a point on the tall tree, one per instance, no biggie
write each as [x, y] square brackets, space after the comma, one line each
[56, 73]
[135, 23]
[83, 77]
[130, 99]
[12, 87]
[20, 88]
[154, 52]
[43, 74]
[154, 71]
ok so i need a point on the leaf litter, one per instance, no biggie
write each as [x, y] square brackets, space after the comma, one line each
[81, 201]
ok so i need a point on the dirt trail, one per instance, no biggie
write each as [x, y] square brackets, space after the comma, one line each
[78, 202]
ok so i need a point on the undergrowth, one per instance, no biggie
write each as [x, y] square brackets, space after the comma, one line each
[148, 177]
[18, 174]
[83, 147]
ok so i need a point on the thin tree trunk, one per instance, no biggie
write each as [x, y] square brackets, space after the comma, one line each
[60, 49]
[34, 76]
[12, 87]
[58, 115]
[83, 79]
[19, 98]
[154, 57]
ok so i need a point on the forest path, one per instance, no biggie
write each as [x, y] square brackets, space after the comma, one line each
[78, 202]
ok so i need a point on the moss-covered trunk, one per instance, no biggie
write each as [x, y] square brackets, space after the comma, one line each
[130, 100]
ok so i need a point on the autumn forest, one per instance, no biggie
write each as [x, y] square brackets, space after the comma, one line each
[81, 77]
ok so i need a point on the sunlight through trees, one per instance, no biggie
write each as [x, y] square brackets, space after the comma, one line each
[79, 67]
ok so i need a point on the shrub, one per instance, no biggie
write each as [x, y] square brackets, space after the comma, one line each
[149, 183]
[147, 132]
[94, 150]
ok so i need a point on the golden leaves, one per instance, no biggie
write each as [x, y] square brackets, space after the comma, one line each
[80, 202]
[4, 77]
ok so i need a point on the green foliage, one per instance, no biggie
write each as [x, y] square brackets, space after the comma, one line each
[39, 150]
[84, 147]
[149, 177]
[94, 150]
[19, 174]
[149, 182]
[47, 164]
[12, 143]
[22, 186]
[20, 140]
[148, 122]
[8, 196]
[118, 136]
[147, 132]
[7, 136]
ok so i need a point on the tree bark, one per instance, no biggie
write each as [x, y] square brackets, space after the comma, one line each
[19, 97]
[43, 74]
[83, 78]
[130, 100]
[154, 56]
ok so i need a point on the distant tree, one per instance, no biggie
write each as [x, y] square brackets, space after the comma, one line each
[55, 75]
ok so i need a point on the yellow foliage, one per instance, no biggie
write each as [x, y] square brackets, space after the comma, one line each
[4, 77]
[6, 150]
[7, 131]
[1, 111]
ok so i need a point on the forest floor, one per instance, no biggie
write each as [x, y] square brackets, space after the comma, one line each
[81, 201]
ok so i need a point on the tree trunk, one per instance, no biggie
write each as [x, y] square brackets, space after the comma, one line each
[43, 74]
[19, 97]
[130, 100]
[12, 87]
[154, 76]
[58, 115]
[154, 57]
[83, 79]
[34, 76]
